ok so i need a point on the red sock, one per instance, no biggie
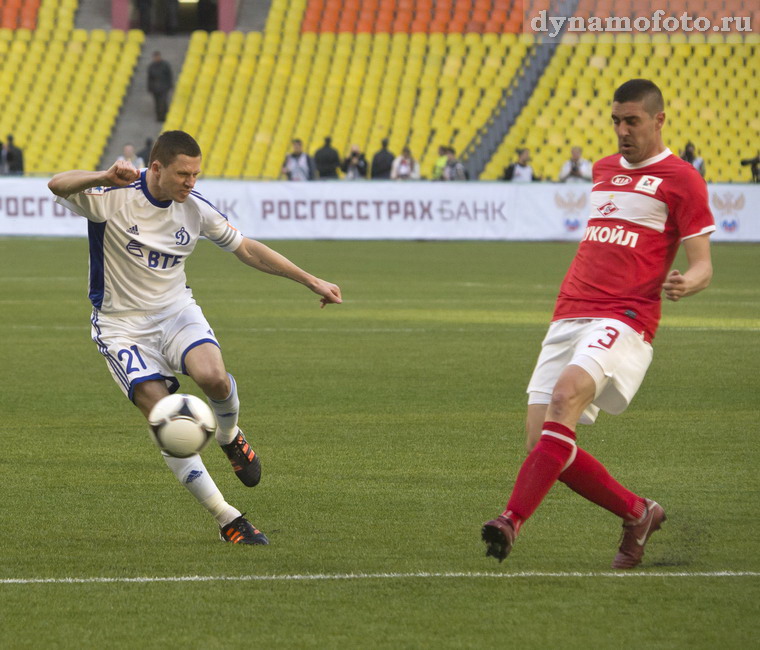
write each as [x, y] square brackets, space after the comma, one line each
[589, 478]
[539, 471]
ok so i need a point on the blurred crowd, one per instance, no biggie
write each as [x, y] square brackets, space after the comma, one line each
[326, 164]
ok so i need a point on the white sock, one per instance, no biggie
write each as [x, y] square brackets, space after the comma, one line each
[192, 473]
[226, 412]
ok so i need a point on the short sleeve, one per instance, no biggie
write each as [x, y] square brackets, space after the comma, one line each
[595, 172]
[95, 204]
[690, 207]
[216, 227]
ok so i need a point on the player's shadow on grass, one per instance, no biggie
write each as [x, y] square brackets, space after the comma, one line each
[671, 561]
[684, 543]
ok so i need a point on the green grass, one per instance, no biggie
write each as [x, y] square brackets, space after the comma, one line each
[390, 428]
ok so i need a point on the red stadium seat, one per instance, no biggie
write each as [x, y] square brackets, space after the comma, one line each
[383, 24]
[513, 25]
[11, 11]
[494, 26]
[481, 15]
[420, 26]
[310, 25]
[457, 24]
[439, 25]
[365, 26]
[402, 23]
[347, 24]
[329, 23]
[385, 14]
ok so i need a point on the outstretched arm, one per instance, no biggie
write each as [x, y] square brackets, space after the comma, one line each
[263, 258]
[121, 174]
[697, 276]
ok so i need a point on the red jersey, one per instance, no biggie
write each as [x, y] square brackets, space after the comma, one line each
[639, 215]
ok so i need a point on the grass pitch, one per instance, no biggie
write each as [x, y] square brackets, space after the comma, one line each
[390, 428]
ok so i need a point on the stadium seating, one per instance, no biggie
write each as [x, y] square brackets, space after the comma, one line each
[430, 72]
[18, 13]
[419, 74]
[711, 91]
[55, 96]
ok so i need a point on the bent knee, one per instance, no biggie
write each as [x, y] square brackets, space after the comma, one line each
[565, 403]
[214, 383]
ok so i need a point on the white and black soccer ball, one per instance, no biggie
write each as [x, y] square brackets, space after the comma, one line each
[181, 425]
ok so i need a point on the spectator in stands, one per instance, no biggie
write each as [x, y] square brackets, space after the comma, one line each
[690, 156]
[520, 171]
[207, 14]
[145, 15]
[355, 165]
[405, 167]
[440, 163]
[3, 164]
[160, 83]
[453, 170]
[754, 167]
[298, 165]
[130, 156]
[14, 158]
[327, 160]
[382, 162]
[171, 14]
[144, 153]
[576, 169]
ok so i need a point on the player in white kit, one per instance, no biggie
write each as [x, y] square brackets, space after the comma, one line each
[142, 225]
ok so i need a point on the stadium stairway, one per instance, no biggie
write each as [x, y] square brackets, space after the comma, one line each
[93, 14]
[491, 135]
[137, 118]
[252, 16]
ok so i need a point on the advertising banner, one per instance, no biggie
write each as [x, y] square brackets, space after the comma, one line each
[384, 210]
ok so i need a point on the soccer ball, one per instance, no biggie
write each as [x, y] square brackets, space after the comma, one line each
[181, 425]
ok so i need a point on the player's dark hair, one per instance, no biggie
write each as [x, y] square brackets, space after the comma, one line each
[641, 90]
[171, 144]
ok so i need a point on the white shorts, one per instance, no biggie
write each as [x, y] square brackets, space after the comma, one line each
[613, 353]
[150, 346]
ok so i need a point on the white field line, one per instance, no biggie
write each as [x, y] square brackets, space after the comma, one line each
[307, 577]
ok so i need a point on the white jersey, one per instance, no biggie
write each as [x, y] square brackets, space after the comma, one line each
[138, 245]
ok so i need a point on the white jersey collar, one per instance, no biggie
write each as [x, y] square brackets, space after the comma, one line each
[648, 161]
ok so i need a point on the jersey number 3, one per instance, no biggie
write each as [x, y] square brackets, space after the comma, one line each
[606, 343]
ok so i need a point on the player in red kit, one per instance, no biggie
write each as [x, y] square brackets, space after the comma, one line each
[645, 202]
